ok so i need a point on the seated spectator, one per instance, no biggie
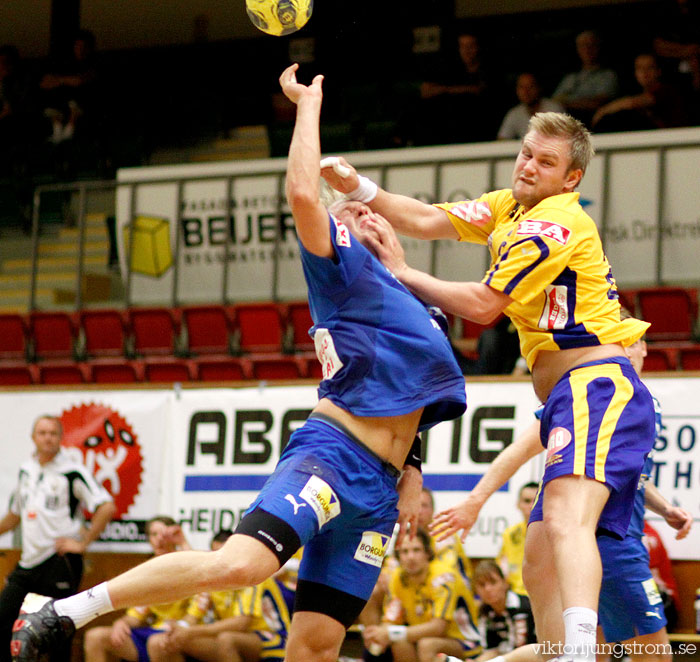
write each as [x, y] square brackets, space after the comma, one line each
[505, 618]
[662, 572]
[429, 610]
[584, 91]
[458, 105]
[70, 89]
[529, 93]
[659, 104]
[510, 558]
[140, 635]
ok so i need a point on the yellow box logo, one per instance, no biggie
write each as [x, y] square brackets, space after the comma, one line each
[151, 254]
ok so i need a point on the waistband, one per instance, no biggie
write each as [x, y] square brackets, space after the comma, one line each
[387, 466]
[620, 360]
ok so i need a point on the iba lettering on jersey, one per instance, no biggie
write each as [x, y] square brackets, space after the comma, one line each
[554, 231]
[372, 548]
[321, 497]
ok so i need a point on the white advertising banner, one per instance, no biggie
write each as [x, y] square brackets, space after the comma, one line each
[201, 455]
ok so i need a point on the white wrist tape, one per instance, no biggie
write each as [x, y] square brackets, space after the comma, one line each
[338, 167]
[397, 633]
[365, 192]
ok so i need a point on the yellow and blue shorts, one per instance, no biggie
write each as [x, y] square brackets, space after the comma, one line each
[598, 422]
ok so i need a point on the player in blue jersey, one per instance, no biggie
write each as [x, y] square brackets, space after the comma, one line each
[338, 488]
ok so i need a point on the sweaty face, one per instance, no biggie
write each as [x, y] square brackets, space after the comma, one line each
[355, 216]
[542, 169]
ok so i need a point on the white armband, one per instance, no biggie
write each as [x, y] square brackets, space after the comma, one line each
[397, 633]
[366, 190]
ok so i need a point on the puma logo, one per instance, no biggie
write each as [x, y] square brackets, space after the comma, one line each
[296, 505]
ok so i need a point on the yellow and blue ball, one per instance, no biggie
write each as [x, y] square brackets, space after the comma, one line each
[279, 17]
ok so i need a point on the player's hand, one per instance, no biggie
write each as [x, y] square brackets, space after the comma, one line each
[120, 634]
[295, 91]
[69, 546]
[679, 519]
[376, 634]
[409, 489]
[386, 245]
[175, 638]
[339, 174]
[458, 518]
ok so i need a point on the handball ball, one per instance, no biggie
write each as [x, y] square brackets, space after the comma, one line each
[279, 17]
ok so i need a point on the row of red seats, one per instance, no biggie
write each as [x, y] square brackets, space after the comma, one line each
[161, 370]
[136, 332]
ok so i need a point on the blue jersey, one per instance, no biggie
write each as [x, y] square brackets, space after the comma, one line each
[381, 351]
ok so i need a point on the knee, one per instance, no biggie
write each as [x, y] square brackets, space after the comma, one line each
[234, 570]
[319, 649]
[425, 649]
[95, 639]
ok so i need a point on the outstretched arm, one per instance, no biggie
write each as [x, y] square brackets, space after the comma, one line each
[677, 518]
[408, 216]
[473, 301]
[303, 166]
[463, 516]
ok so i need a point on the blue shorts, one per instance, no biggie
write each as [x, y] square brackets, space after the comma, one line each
[630, 603]
[140, 637]
[341, 500]
[598, 421]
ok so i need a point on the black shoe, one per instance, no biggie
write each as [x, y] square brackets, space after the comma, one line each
[36, 634]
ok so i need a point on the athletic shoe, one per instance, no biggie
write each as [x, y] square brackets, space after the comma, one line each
[36, 634]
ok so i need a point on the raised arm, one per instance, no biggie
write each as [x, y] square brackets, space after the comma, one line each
[464, 515]
[303, 165]
[407, 216]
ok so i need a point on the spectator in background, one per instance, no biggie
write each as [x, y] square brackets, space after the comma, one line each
[584, 91]
[498, 348]
[505, 618]
[510, 558]
[430, 610]
[659, 105]
[529, 93]
[140, 635]
[458, 105]
[662, 572]
[70, 89]
[52, 491]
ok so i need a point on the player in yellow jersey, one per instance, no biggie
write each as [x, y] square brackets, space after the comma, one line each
[429, 609]
[139, 635]
[510, 558]
[549, 274]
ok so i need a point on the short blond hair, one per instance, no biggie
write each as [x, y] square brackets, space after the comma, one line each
[562, 125]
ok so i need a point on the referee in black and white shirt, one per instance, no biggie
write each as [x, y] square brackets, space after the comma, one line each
[48, 501]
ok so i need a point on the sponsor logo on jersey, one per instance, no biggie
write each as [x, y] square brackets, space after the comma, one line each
[474, 212]
[326, 353]
[558, 439]
[295, 505]
[547, 229]
[321, 497]
[555, 314]
[372, 548]
[342, 234]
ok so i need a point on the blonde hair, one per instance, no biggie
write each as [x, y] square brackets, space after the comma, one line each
[561, 125]
[329, 196]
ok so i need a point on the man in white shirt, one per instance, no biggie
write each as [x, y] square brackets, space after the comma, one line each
[52, 491]
[529, 93]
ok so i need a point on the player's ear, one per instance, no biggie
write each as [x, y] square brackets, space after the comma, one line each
[573, 178]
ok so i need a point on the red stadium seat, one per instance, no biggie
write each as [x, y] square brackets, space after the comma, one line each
[628, 299]
[299, 316]
[209, 329]
[690, 358]
[220, 369]
[16, 374]
[671, 311]
[167, 370]
[659, 359]
[154, 330]
[61, 372]
[53, 334]
[13, 337]
[115, 371]
[104, 331]
[260, 327]
[278, 367]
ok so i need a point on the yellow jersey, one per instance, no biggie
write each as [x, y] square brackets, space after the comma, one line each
[443, 594]
[510, 558]
[215, 605]
[451, 552]
[550, 261]
[156, 616]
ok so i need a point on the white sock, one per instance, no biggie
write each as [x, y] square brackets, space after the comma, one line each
[580, 625]
[83, 607]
